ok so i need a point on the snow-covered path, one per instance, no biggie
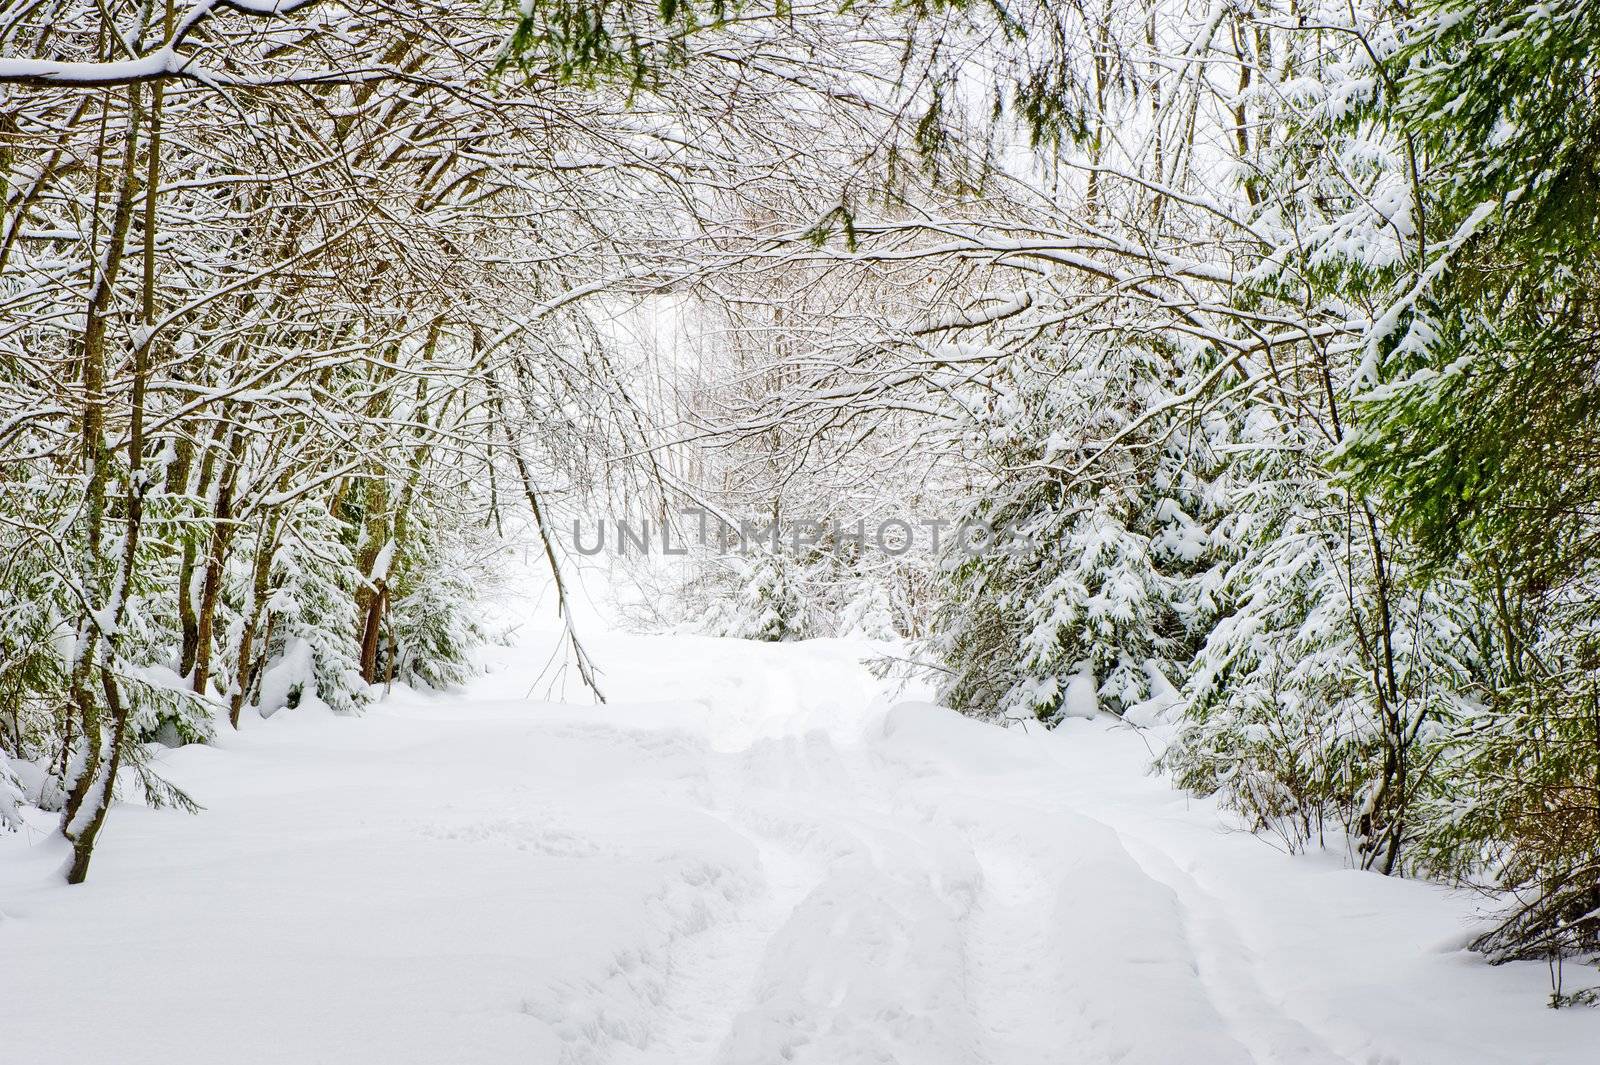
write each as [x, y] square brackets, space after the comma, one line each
[748, 858]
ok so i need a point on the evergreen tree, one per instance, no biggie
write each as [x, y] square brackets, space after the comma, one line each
[310, 648]
[1099, 554]
[1293, 713]
[1480, 441]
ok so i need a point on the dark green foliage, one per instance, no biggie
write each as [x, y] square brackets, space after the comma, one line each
[1486, 444]
[1482, 444]
[1047, 101]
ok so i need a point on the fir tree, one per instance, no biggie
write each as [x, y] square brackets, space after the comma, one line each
[1480, 441]
[1097, 567]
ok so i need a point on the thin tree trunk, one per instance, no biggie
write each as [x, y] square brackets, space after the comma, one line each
[211, 583]
[97, 464]
[188, 600]
[87, 813]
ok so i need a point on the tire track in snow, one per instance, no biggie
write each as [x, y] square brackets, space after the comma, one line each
[869, 965]
[1229, 969]
[906, 918]
[709, 980]
[1020, 990]
[1093, 962]
[717, 984]
[1082, 958]
[1095, 909]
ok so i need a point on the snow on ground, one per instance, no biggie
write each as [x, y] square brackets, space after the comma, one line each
[749, 857]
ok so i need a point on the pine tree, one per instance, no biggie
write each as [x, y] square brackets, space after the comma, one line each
[1097, 573]
[1480, 441]
[311, 617]
[1290, 711]
[433, 623]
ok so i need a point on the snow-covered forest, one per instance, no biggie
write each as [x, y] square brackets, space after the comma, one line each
[1200, 395]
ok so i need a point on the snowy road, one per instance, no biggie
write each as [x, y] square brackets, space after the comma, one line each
[749, 858]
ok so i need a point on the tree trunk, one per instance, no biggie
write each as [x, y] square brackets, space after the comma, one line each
[211, 584]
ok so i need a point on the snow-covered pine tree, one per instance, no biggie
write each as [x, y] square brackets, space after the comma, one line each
[12, 796]
[770, 603]
[1518, 789]
[309, 648]
[1292, 711]
[1097, 567]
[1328, 689]
[434, 618]
[1479, 437]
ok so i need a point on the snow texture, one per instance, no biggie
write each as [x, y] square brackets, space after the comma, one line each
[749, 857]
